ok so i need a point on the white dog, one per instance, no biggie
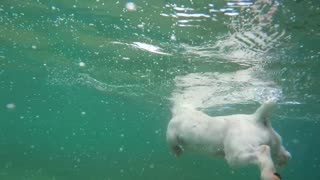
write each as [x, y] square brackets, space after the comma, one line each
[241, 139]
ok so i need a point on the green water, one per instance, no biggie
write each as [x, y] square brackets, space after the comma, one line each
[87, 86]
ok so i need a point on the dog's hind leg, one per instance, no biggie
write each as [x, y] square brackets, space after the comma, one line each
[260, 156]
[236, 159]
[282, 157]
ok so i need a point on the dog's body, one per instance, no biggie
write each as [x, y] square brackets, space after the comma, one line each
[241, 139]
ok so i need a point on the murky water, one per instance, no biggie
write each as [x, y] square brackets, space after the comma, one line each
[87, 86]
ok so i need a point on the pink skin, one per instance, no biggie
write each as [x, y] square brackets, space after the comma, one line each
[265, 164]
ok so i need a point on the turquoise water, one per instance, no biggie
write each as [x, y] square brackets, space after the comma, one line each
[86, 86]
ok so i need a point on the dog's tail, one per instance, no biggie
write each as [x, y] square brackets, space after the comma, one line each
[263, 113]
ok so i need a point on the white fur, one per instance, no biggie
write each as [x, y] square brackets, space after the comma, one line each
[241, 139]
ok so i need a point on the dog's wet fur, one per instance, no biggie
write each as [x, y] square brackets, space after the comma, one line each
[241, 139]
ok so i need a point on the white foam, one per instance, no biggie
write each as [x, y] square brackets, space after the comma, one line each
[204, 90]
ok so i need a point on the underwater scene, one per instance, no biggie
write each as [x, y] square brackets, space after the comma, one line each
[87, 87]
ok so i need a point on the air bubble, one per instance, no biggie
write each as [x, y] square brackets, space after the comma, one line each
[11, 106]
[121, 149]
[130, 6]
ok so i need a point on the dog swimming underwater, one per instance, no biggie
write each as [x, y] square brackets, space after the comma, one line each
[241, 139]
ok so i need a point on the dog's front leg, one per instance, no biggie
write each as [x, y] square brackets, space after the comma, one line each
[173, 141]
